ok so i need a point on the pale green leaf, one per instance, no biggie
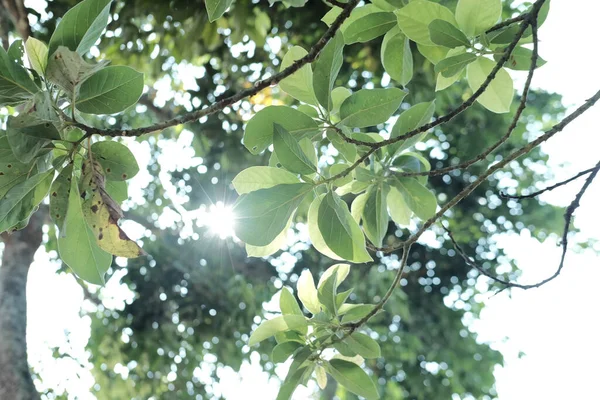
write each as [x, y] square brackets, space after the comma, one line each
[411, 119]
[341, 270]
[278, 324]
[255, 178]
[307, 292]
[434, 54]
[37, 53]
[69, 70]
[398, 208]
[321, 377]
[499, 94]
[415, 17]
[476, 16]
[396, 56]
[520, 59]
[299, 85]
[369, 107]
[288, 303]
[327, 292]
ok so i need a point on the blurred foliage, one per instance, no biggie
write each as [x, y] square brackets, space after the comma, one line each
[194, 298]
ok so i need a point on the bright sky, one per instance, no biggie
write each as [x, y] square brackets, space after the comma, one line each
[554, 326]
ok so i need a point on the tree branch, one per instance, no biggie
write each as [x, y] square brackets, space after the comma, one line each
[312, 55]
[564, 242]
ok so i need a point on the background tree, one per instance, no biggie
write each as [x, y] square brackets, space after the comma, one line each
[179, 317]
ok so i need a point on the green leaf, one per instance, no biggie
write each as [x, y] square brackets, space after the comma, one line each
[476, 16]
[434, 54]
[321, 377]
[288, 303]
[79, 249]
[396, 56]
[299, 85]
[116, 159]
[37, 52]
[369, 107]
[12, 171]
[352, 377]
[340, 298]
[292, 380]
[278, 324]
[258, 134]
[338, 95]
[110, 90]
[283, 351]
[216, 8]
[411, 119]
[415, 17]
[358, 206]
[327, 294]
[15, 83]
[307, 292]
[271, 248]
[347, 150]
[363, 345]
[454, 65]
[368, 27]
[398, 208]
[341, 271]
[68, 70]
[255, 178]
[59, 197]
[375, 217]
[289, 153]
[355, 312]
[418, 198]
[499, 94]
[442, 82]
[81, 26]
[117, 190]
[313, 230]
[22, 199]
[445, 34]
[327, 68]
[339, 230]
[336, 169]
[261, 215]
[520, 59]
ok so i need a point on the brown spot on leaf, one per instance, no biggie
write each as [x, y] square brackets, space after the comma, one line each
[124, 176]
[107, 169]
[100, 236]
[54, 194]
[9, 166]
[94, 209]
[122, 235]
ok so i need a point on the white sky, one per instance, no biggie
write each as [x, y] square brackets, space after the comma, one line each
[557, 326]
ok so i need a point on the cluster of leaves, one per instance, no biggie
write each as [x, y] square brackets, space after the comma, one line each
[43, 152]
[305, 339]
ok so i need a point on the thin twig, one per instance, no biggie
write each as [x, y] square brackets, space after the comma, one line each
[564, 241]
[549, 188]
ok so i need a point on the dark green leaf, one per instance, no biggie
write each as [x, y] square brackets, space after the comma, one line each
[116, 159]
[327, 294]
[520, 59]
[352, 377]
[418, 198]
[375, 217]
[363, 345]
[368, 27]
[15, 84]
[289, 152]
[216, 8]
[445, 34]
[396, 56]
[451, 66]
[22, 199]
[355, 312]
[59, 197]
[258, 134]
[411, 119]
[327, 68]
[283, 351]
[69, 70]
[110, 90]
[81, 26]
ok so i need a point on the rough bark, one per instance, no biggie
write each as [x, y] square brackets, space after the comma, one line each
[19, 249]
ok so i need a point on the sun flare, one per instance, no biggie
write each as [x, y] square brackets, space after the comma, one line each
[219, 219]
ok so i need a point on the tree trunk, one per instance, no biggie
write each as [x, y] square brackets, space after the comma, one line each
[19, 249]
